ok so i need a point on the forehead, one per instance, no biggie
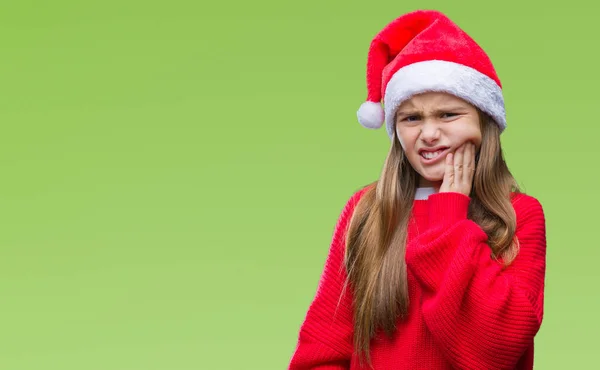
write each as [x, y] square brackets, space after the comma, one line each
[432, 100]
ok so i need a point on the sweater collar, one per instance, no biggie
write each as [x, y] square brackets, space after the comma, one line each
[424, 192]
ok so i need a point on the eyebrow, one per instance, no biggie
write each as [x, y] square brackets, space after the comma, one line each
[449, 108]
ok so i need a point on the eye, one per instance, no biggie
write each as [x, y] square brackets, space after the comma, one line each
[449, 115]
[411, 118]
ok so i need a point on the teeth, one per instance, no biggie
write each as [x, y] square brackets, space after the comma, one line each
[430, 155]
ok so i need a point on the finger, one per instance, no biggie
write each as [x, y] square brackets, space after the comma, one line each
[458, 163]
[448, 172]
[474, 160]
[468, 163]
[473, 165]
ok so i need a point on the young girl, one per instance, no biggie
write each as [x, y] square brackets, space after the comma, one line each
[439, 264]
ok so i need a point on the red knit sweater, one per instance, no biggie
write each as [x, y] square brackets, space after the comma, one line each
[466, 311]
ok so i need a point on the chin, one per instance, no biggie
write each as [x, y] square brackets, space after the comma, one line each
[432, 177]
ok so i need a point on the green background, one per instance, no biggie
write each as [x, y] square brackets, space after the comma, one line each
[172, 172]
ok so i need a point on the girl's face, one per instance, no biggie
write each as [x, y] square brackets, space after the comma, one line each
[431, 125]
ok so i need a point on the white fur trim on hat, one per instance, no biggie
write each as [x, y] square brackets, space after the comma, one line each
[438, 75]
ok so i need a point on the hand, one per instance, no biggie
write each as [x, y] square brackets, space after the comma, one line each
[459, 170]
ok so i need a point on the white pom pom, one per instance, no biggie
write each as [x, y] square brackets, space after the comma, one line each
[371, 115]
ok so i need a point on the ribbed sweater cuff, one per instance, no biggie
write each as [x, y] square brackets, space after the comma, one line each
[428, 259]
[447, 207]
[458, 244]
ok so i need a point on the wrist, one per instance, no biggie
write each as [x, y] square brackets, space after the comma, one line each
[447, 207]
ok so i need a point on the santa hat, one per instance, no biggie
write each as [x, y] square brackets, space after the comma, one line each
[425, 51]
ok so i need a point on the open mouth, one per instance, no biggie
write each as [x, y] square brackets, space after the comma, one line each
[432, 156]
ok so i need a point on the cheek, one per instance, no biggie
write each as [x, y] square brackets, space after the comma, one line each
[469, 133]
[402, 143]
[407, 137]
[476, 139]
[401, 137]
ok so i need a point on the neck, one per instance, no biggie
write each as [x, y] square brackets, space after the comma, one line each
[423, 183]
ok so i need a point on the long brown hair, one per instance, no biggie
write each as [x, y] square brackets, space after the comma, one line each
[377, 233]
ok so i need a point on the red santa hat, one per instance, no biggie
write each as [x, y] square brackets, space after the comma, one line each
[425, 51]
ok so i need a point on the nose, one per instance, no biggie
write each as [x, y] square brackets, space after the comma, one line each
[430, 132]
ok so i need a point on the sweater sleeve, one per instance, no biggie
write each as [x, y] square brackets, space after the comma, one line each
[483, 315]
[326, 335]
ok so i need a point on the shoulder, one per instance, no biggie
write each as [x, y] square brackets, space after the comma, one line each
[357, 195]
[523, 201]
[528, 209]
[351, 203]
